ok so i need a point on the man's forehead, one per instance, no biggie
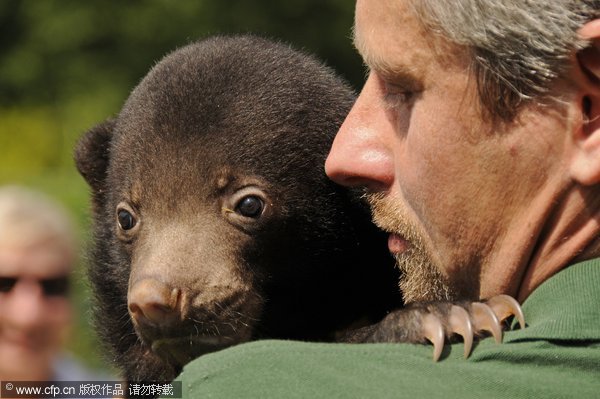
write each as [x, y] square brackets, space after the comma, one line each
[388, 38]
[393, 43]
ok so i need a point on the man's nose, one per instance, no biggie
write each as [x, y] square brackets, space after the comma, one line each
[359, 155]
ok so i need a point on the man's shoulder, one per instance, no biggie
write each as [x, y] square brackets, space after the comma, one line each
[294, 369]
[549, 358]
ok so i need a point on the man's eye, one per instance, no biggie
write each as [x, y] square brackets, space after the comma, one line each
[395, 96]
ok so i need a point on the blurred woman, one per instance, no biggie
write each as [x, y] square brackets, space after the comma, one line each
[37, 256]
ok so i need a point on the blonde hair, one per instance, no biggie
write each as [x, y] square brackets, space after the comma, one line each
[28, 217]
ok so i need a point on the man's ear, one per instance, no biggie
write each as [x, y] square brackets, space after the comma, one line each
[92, 154]
[585, 163]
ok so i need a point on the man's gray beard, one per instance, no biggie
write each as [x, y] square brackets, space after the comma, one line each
[421, 279]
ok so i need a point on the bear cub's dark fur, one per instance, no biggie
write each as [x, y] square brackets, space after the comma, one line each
[214, 222]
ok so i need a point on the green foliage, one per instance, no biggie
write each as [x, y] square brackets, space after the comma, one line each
[53, 50]
[66, 65]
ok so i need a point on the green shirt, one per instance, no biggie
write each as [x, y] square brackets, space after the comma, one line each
[556, 356]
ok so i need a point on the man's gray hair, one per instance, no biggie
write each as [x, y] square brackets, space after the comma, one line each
[518, 47]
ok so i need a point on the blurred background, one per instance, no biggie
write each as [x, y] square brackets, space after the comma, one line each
[66, 65]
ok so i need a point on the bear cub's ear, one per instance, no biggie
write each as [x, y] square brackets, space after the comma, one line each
[92, 154]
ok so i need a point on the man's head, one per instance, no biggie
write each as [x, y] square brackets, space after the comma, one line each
[473, 160]
[36, 257]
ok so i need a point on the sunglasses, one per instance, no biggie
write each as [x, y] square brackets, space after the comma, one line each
[51, 287]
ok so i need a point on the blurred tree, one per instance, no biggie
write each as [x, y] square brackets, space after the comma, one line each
[70, 63]
[53, 50]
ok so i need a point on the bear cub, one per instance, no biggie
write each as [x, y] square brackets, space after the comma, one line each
[214, 222]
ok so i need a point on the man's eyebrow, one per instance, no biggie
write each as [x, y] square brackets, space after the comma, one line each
[397, 73]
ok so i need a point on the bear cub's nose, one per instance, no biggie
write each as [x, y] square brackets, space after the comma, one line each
[153, 302]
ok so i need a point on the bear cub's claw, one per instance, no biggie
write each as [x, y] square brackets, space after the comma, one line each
[437, 322]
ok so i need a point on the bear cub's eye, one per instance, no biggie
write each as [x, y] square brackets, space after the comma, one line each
[126, 219]
[250, 206]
